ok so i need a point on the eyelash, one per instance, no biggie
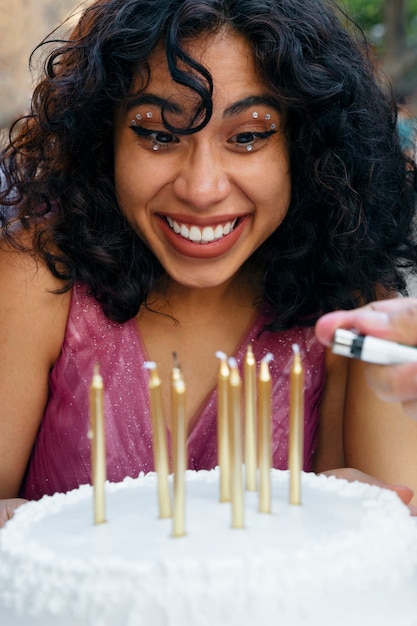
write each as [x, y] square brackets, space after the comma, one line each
[166, 139]
[152, 135]
[250, 138]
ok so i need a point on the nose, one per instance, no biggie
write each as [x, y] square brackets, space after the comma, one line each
[202, 180]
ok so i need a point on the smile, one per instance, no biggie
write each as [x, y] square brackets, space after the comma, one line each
[202, 235]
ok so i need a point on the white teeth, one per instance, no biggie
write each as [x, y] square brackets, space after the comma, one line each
[195, 234]
[202, 235]
[208, 234]
[218, 232]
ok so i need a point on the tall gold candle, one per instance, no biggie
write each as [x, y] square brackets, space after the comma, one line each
[160, 446]
[250, 419]
[265, 435]
[296, 436]
[179, 428]
[223, 428]
[98, 445]
[176, 375]
[235, 411]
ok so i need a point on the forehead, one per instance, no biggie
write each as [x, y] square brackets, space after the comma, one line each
[227, 56]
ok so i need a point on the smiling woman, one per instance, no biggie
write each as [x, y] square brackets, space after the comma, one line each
[195, 176]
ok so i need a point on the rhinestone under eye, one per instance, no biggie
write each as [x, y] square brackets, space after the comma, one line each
[255, 115]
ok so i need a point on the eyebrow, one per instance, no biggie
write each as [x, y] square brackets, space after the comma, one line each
[234, 109]
[246, 103]
[149, 98]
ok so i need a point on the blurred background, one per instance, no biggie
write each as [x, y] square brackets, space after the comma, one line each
[23, 24]
[390, 26]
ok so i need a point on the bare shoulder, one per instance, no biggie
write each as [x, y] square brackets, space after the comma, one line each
[29, 302]
[32, 328]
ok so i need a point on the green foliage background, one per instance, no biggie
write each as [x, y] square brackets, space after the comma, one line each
[369, 13]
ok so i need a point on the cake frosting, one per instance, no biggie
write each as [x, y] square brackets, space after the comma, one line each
[347, 555]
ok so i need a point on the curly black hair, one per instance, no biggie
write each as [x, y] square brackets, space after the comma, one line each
[348, 233]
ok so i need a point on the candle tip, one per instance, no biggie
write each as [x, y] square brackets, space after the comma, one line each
[175, 359]
[296, 348]
[232, 362]
[149, 365]
[221, 355]
[268, 357]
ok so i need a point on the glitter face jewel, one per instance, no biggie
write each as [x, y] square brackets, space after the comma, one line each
[255, 115]
[149, 115]
[267, 116]
[273, 126]
[155, 147]
[138, 116]
[249, 147]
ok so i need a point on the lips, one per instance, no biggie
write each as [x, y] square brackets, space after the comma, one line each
[204, 242]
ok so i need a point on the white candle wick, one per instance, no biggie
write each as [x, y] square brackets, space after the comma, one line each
[221, 355]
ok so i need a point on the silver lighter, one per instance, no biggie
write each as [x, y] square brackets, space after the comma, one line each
[371, 349]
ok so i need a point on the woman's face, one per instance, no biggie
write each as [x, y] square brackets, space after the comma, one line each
[203, 203]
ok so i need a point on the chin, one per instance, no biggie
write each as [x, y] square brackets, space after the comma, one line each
[200, 284]
[208, 280]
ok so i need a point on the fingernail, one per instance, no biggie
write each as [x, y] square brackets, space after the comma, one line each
[377, 319]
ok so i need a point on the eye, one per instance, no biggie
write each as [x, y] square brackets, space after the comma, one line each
[159, 139]
[247, 141]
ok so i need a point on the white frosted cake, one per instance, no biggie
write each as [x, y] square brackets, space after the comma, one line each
[346, 556]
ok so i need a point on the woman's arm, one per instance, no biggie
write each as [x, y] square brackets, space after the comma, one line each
[330, 453]
[379, 437]
[8, 507]
[32, 327]
[363, 438]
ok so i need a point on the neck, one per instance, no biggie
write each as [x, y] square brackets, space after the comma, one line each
[182, 302]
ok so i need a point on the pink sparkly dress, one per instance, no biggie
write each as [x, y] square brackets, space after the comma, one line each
[61, 457]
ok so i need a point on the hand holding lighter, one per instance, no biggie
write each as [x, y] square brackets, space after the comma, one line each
[372, 349]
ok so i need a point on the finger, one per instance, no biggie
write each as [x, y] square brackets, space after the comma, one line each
[8, 507]
[363, 320]
[402, 326]
[350, 474]
[413, 509]
[397, 383]
[394, 319]
[410, 408]
[405, 493]
[391, 305]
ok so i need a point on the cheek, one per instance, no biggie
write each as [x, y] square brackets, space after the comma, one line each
[276, 196]
[120, 182]
[127, 177]
[129, 189]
